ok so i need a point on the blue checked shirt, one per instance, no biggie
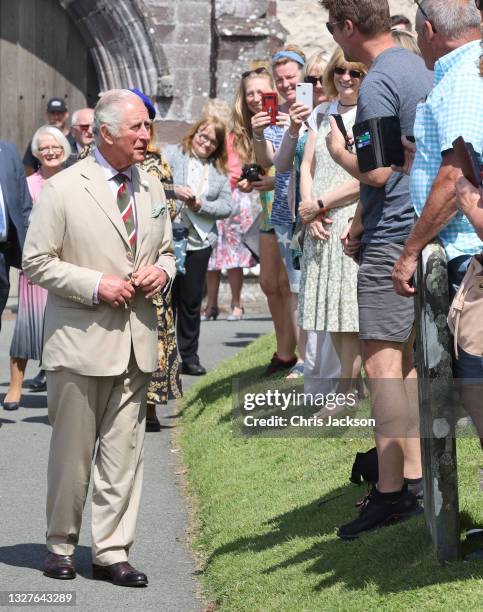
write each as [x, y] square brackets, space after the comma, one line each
[453, 108]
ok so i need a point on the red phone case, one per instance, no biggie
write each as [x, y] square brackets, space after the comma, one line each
[270, 105]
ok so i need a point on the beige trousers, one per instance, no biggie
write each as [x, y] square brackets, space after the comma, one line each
[83, 410]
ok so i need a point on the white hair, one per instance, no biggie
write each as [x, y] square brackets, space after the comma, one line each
[108, 111]
[75, 115]
[450, 18]
[56, 134]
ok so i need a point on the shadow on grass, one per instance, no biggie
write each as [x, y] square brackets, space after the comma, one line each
[211, 392]
[397, 558]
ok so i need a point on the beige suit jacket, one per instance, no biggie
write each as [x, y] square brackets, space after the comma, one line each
[76, 232]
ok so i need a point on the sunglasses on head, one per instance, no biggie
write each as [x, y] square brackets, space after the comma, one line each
[354, 74]
[260, 70]
[314, 80]
[425, 15]
[84, 127]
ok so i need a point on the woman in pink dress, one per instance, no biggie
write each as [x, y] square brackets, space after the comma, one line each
[51, 148]
[229, 253]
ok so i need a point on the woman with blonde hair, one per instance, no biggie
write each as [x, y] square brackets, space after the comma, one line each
[229, 252]
[328, 295]
[202, 188]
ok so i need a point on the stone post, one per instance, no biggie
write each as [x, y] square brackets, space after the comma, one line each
[436, 405]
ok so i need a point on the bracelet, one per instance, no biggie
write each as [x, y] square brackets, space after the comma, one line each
[320, 203]
[258, 139]
[292, 137]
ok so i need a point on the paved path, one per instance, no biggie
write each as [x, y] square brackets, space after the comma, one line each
[159, 549]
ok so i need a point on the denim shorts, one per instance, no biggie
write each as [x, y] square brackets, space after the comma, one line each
[466, 366]
[284, 235]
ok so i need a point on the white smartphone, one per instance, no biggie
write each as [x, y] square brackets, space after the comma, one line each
[305, 94]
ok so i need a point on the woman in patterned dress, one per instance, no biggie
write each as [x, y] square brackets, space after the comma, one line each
[51, 148]
[328, 289]
[166, 380]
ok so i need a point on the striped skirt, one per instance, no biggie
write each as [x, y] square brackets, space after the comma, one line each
[27, 336]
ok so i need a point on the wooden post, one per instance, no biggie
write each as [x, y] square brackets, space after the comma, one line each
[436, 406]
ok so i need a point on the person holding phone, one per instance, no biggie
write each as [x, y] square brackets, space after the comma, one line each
[287, 67]
[328, 288]
[202, 187]
[289, 155]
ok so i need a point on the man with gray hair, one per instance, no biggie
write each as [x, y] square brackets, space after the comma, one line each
[81, 129]
[100, 241]
[449, 37]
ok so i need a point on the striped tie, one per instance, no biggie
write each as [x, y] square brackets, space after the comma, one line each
[125, 208]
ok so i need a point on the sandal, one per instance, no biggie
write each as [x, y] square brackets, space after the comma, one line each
[297, 371]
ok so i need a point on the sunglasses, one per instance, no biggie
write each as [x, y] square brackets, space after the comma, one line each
[330, 25]
[314, 80]
[425, 15]
[83, 127]
[354, 74]
[260, 70]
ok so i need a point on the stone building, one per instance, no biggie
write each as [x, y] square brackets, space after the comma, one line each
[179, 52]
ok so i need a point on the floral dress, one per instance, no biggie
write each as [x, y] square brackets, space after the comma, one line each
[328, 287]
[229, 251]
[166, 380]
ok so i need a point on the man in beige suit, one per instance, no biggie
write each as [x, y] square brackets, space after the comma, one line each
[100, 241]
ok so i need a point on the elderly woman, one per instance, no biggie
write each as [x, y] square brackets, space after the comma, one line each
[51, 148]
[202, 187]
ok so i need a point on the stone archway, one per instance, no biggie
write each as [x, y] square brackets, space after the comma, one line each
[119, 35]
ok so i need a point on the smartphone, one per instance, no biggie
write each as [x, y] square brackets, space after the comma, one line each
[304, 94]
[340, 125]
[469, 161]
[270, 105]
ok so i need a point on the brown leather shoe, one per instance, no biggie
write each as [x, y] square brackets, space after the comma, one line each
[59, 566]
[122, 574]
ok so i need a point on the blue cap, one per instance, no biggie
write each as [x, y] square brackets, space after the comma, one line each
[147, 102]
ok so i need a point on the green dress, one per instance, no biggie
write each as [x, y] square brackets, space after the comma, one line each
[328, 286]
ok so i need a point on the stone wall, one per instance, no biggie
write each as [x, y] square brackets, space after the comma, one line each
[305, 22]
[179, 52]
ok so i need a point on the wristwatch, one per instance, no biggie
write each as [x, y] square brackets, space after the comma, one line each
[320, 203]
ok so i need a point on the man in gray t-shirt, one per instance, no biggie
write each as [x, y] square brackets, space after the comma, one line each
[397, 80]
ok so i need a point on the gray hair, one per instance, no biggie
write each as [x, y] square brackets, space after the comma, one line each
[451, 18]
[75, 114]
[108, 111]
[56, 134]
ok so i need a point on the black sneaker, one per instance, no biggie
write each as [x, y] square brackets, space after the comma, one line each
[376, 512]
[415, 486]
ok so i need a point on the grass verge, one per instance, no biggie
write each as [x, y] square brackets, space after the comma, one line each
[267, 511]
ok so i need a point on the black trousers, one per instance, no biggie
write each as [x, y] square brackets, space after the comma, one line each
[187, 298]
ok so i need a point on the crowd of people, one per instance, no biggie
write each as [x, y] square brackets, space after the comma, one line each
[337, 247]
